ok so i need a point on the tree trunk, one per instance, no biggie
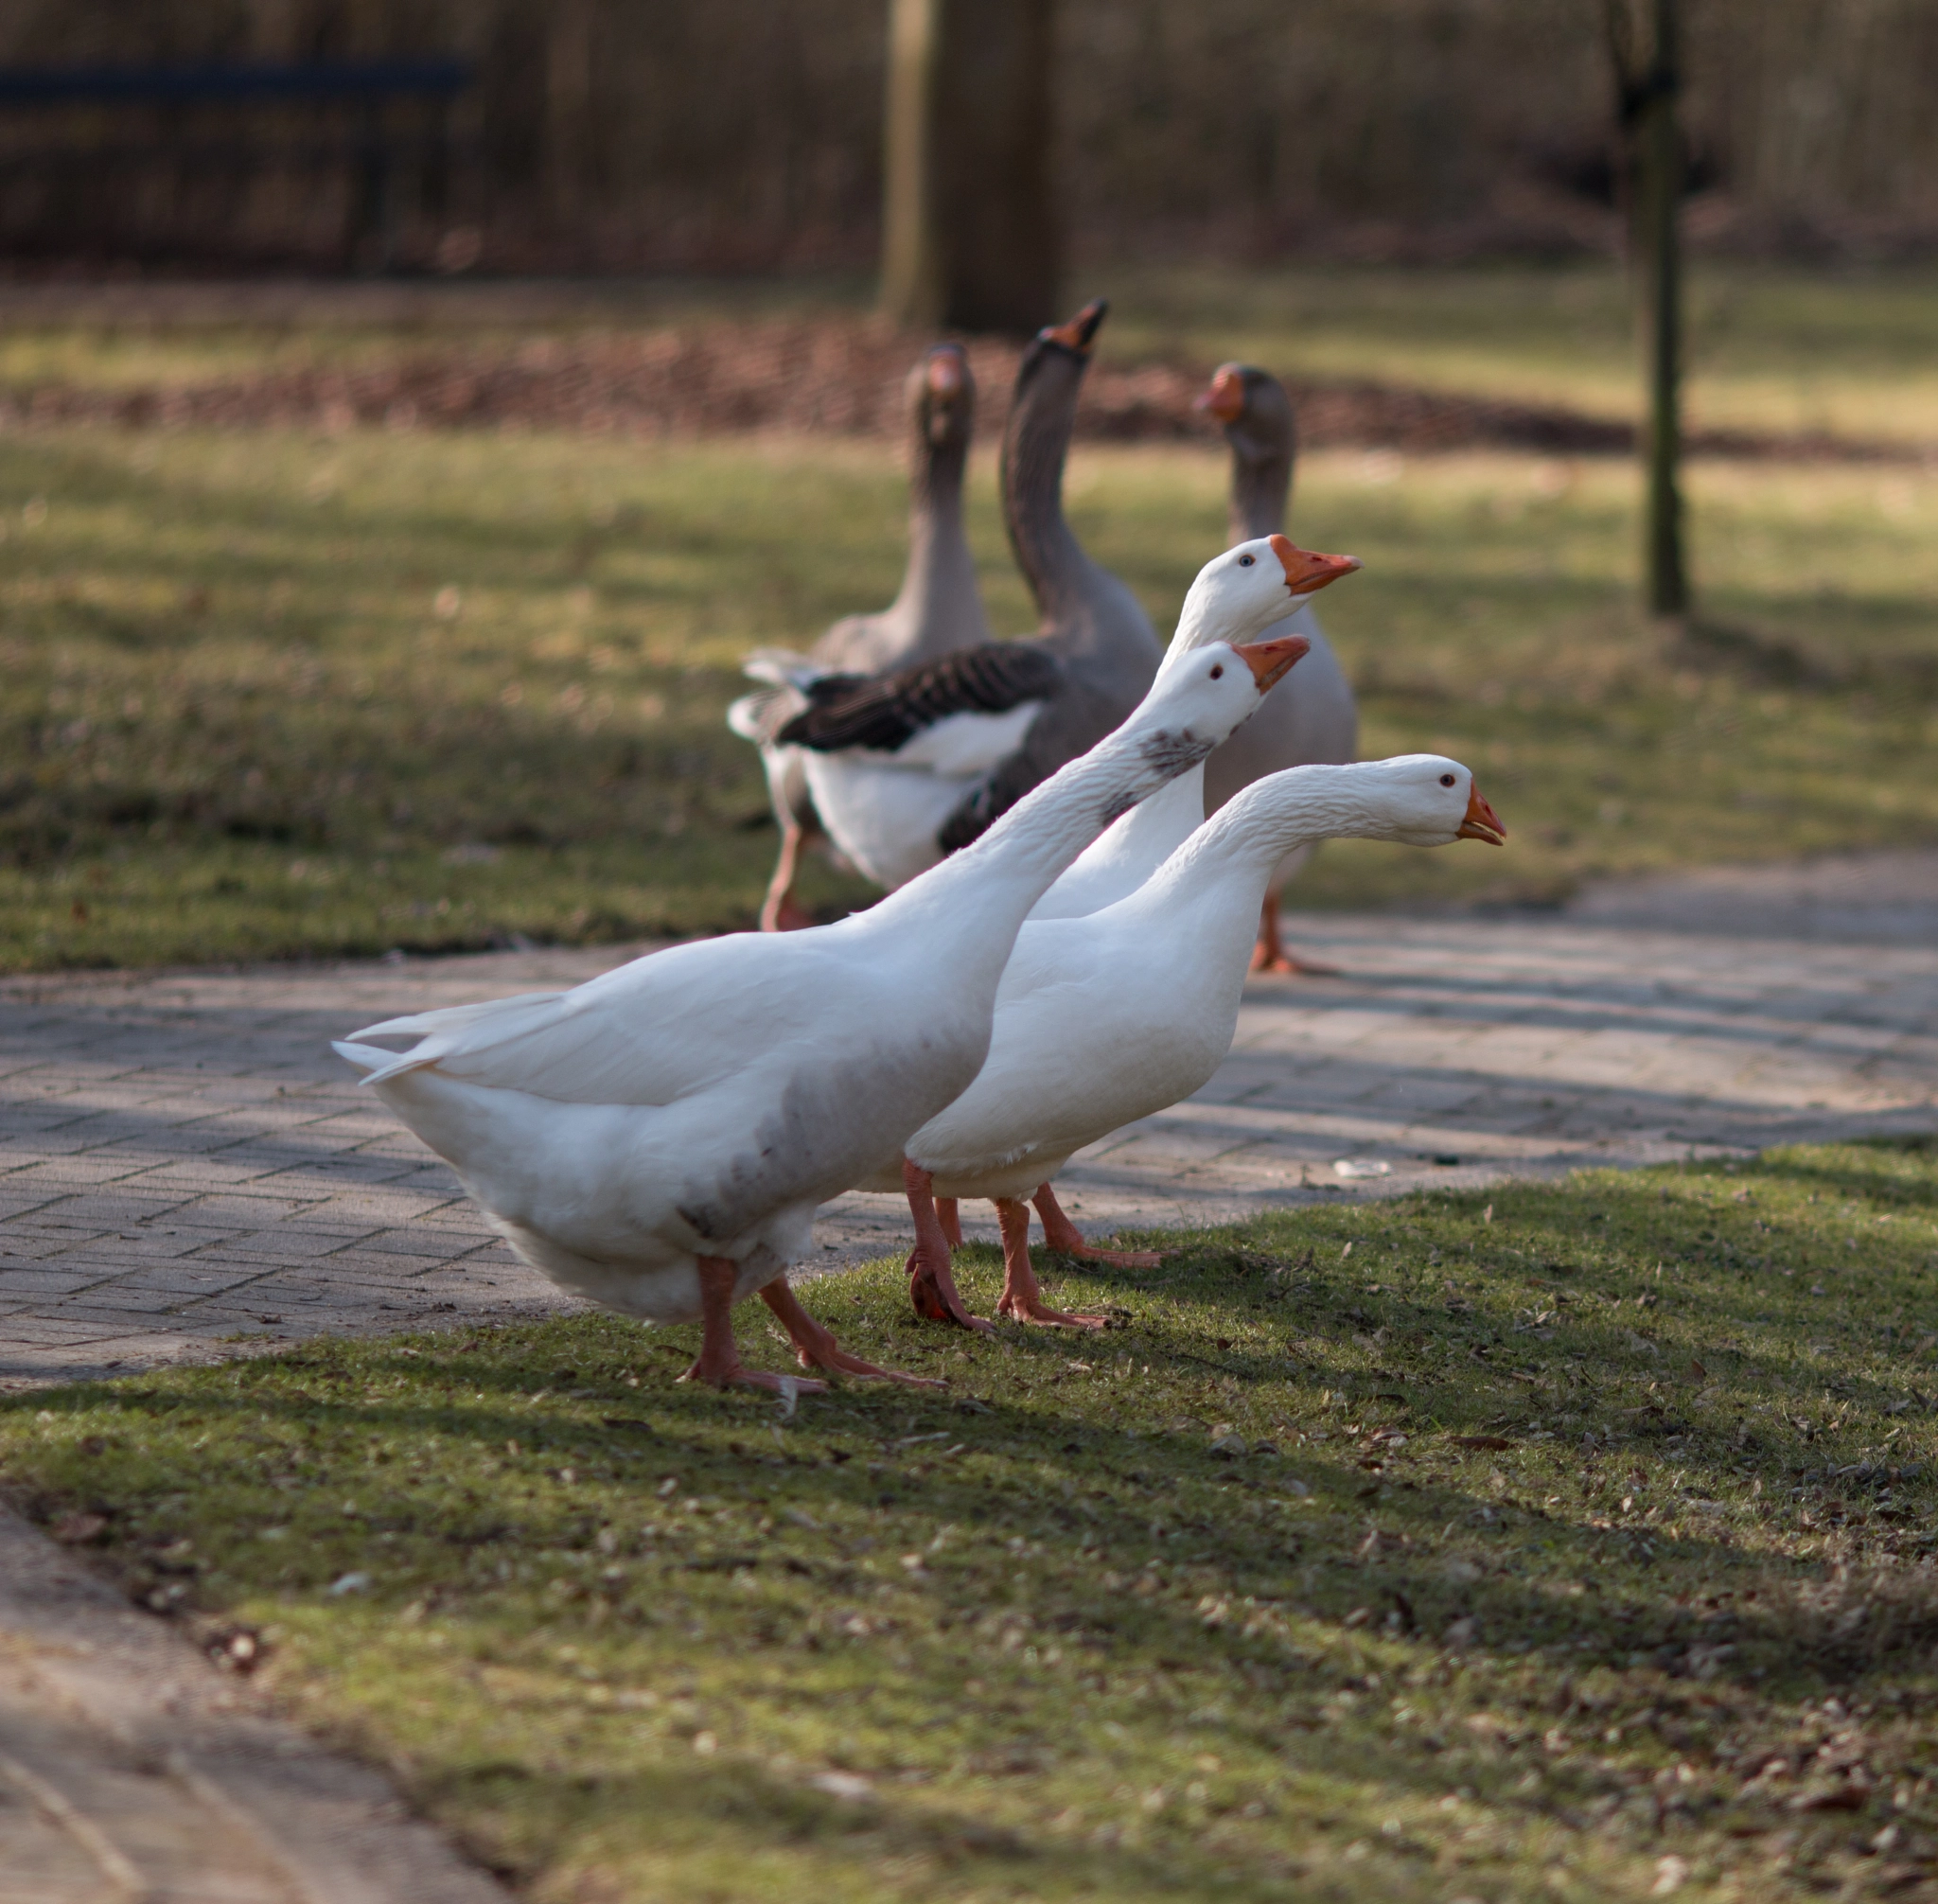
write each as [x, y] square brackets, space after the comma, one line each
[1658, 199]
[1649, 82]
[970, 230]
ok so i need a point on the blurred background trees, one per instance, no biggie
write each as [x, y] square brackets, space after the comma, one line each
[742, 135]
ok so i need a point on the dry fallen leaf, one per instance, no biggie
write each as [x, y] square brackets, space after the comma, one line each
[73, 1529]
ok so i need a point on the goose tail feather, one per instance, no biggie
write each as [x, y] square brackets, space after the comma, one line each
[376, 1065]
[453, 1029]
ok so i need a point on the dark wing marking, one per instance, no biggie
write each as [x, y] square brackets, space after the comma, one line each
[882, 712]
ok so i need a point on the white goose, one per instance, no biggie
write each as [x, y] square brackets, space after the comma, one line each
[1116, 1014]
[658, 1139]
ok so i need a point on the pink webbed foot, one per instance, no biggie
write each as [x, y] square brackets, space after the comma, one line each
[718, 1364]
[815, 1345]
[931, 1275]
[1022, 1298]
[1065, 1239]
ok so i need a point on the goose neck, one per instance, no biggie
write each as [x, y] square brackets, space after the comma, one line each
[940, 592]
[1254, 830]
[985, 891]
[1261, 487]
[1035, 445]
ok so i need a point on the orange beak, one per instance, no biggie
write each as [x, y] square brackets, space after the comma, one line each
[1482, 823]
[1225, 399]
[1306, 573]
[1270, 662]
[945, 370]
[1077, 333]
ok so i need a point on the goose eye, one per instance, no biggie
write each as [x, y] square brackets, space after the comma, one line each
[1218, 672]
[1445, 780]
[1246, 561]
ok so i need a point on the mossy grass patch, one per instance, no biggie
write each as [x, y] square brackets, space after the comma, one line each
[1567, 1540]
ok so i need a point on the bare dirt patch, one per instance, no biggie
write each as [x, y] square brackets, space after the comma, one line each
[830, 375]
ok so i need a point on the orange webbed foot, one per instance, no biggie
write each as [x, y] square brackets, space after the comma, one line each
[1270, 954]
[1114, 1258]
[1065, 1239]
[816, 1348]
[1290, 965]
[1022, 1298]
[1017, 1307]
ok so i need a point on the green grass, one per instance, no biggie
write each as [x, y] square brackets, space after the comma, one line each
[1668, 1610]
[276, 694]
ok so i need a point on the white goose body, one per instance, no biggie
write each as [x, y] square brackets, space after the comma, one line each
[693, 1106]
[1111, 1016]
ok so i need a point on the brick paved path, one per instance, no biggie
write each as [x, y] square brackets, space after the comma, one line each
[184, 1163]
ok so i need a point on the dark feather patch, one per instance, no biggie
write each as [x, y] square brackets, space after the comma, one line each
[1173, 752]
[884, 712]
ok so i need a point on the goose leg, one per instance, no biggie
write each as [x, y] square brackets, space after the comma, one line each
[817, 1347]
[1064, 1237]
[719, 1365]
[932, 1276]
[949, 1214]
[1269, 954]
[1022, 1298]
[778, 911]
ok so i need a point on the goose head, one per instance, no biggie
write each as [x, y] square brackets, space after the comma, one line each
[941, 395]
[1242, 592]
[1197, 703]
[1253, 407]
[1062, 346]
[1080, 331]
[1426, 799]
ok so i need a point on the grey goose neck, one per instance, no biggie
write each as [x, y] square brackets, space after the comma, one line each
[1262, 448]
[940, 598]
[1061, 578]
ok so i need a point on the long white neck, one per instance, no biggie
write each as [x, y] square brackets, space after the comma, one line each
[1129, 852]
[1207, 617]
[965, 912]
[1236, 850]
